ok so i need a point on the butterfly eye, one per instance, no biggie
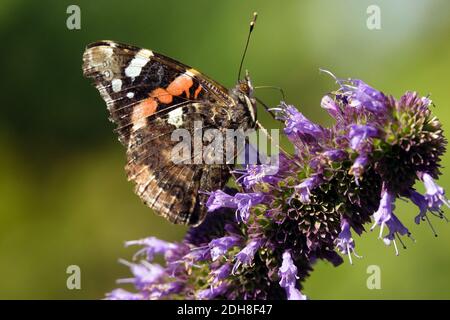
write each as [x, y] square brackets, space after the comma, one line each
[244, 88]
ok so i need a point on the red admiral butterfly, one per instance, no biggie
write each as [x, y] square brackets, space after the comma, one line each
[150, 95]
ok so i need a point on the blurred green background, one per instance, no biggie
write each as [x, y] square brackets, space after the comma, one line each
[64, 198]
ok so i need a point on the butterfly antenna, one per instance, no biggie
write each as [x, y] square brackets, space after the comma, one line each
[273, 87]
[252, 25]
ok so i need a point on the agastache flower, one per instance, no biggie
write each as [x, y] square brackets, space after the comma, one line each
[221, 273]
[258, 173]
[435, 195]
[383, 144]
[219, 199]
[297, 125]
[385, 210]
[212, 292]
[358, 166]
[145, 273]
[242, 202]
[304, 189]
[345, 243]
[288, 278]
[359, 134]
[361, 95]
[332, 107]
[220, 246]
[395, 228]
[335, 154]
[121, 294]
[246, 255]
[152, 246]
[385, 216]
[421, 202]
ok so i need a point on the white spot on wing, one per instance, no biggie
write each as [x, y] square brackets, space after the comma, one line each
[130, 95]
[176, 117]
[139, 61]
[116, 85]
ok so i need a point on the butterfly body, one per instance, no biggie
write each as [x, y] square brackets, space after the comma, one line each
[149, 96]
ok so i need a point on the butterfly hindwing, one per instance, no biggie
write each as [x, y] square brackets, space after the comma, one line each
[148, 96]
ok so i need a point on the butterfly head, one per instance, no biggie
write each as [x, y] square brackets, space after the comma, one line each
[243, 91]
[245, 85]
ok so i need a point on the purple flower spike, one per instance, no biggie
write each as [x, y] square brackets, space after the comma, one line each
[246, 255]
[345, 243]
[359, 134]
[435, 194]
[220, 246]
[152, 246]
[288, 278]
[304, 188]
[219, 199]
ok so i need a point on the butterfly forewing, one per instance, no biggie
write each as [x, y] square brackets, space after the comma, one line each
[149, 96]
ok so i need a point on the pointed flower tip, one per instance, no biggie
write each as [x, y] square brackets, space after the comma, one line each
[435, 194]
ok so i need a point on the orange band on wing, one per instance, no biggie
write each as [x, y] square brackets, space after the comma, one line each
[148, 106]
[162, 95]
[144, 109]
[179, 85]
